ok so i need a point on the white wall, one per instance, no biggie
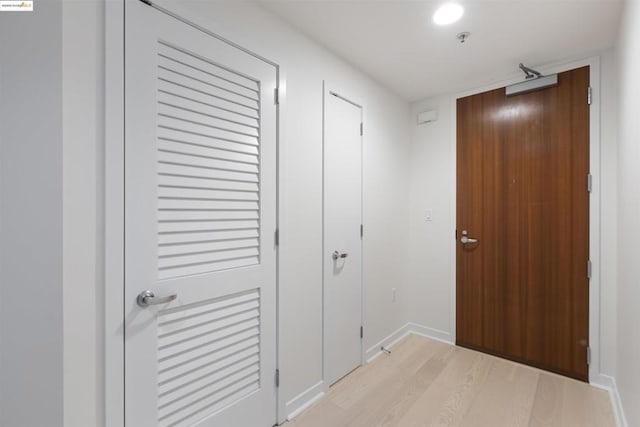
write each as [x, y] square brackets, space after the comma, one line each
[386, 151]
[431, 244]
[628, 370]
[609, 214]
[31, 328]
[83, 158]
[432, 256]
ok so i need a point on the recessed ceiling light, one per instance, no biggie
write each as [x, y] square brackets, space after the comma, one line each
[448, 13]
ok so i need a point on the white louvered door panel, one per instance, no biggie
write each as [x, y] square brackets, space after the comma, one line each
[200, 147]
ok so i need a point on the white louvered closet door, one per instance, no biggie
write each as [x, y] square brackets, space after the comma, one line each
[200, 217]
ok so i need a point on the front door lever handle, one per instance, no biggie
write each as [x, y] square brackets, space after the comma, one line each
[466, 239]
[147, 298]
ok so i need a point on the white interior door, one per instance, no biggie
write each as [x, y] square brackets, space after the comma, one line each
[342, 235]
[200, 204]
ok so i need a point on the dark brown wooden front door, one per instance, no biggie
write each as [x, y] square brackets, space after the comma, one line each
[522, 173]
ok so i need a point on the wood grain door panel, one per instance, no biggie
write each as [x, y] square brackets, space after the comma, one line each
[523, 162]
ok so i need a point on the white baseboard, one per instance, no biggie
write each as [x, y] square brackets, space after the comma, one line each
[409, 328]
[387, 343]
[609, 384]
[304, 400]
[431, 333]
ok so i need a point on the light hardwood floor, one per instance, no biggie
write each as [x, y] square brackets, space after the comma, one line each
[428, 383]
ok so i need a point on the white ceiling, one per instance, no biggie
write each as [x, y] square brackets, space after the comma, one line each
[397, 43]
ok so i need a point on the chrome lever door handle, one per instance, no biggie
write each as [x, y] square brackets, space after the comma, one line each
[147, 298]
[335, 255]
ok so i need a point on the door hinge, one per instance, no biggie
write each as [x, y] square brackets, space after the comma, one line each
[456, 236]
[277, 377]
[361, 332]
[589, 269]
[361, 129]
[589, 183]
[588, 355]
[589, 96]
[276, 96]
[277, 237]
[361, 231]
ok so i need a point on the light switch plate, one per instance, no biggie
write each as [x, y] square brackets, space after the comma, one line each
[428, 215]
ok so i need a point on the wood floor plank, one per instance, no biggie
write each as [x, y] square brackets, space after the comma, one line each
[525, 389]
[330, 415]
[373, 405]
[405, 358]
[506, 398]
[436, 403]
[427, 383]
[414, 388]
[466, 391]
[584, 407]
[547, 404]
[380, 402]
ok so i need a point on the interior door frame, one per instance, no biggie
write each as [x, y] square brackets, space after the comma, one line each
[114, 165]
[329, 89]
[595, 376]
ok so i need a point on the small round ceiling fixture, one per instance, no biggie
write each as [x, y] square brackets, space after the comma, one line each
[448, 13]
